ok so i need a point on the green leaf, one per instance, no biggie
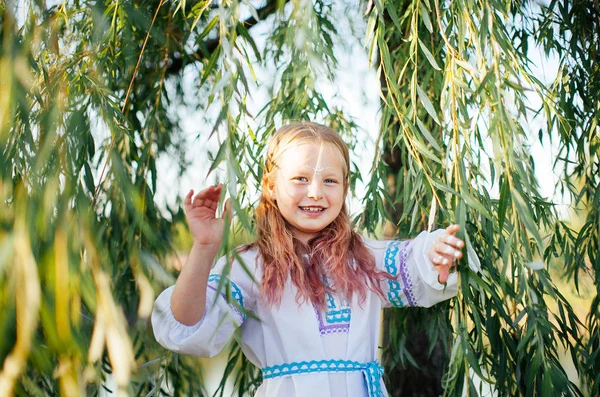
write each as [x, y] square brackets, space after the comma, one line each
[429, 55]
[394, 18]
[426, 18]
[526, 216]
[428, 135]
[474, 203]
[425, 150]
[210, 67]
[219, 157]
[427, 103]
[88, 178]
[503, 202]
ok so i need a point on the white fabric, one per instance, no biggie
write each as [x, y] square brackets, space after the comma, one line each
[293, 333]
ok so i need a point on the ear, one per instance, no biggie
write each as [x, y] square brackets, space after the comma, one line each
[268, 189]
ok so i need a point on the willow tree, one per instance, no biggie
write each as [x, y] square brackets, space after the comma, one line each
[91, 93]
[457, 83]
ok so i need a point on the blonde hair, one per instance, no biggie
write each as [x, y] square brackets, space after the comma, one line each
[298, 134]
[337, 252]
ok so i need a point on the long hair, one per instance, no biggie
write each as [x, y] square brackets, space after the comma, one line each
[337, 251]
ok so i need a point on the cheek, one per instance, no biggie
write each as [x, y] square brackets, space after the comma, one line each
[338, 195]
[292, 191]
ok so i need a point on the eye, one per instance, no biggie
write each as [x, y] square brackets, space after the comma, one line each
[300, 179]
[329, 180]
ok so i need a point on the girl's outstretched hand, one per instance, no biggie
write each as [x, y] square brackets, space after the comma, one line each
[445, 250]
[201, 214]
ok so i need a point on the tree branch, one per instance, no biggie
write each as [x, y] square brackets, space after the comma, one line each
[177, 61]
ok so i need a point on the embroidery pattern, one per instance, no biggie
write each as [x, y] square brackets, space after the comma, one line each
[406, 278]
[396, 292]
[372, 371]
[328, 329]
[236, 293]
[337, 319]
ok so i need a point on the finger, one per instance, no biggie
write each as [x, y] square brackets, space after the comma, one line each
[212, 203]
[188, 197]
[199, 202]
[439, 260]
[452, 229]
[187, 203]
[216, 197]
[203, 194]
[214, 193]
[227, 212]
[443, 273]
[206, 203]
[453, 240]
[442, 248]
[210, 193]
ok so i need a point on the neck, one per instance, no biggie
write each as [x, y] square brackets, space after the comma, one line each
[303, 237]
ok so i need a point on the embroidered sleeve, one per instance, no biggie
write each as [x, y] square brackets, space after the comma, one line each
[399, 290]
[227, 302]
[231, 293]
[416, 282]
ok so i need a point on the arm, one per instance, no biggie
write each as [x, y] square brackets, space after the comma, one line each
[193, 317]
[422, 268]
[189, 295]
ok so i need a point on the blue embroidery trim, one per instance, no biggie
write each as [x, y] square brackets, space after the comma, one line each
[337, 319]
[333, 314]
[372, 371]
[396, 292]
[338, 316]
[330, 301]
[327, 329]
[236, 293]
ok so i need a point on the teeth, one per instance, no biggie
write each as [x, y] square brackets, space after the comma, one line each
[312, 209]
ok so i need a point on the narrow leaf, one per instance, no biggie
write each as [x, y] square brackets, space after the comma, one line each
[429, 55]
[427, 103]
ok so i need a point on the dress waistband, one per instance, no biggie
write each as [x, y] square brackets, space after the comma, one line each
[372, 371]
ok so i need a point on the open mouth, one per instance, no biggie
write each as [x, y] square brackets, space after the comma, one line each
[312, 209]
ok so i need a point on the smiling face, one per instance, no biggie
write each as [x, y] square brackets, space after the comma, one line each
[309, 187]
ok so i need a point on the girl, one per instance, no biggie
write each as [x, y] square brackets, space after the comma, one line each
[314, 286]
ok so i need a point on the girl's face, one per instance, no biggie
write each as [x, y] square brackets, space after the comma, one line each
[309, 187]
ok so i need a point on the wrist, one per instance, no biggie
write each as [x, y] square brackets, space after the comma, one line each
[206, 247]
[201, 256]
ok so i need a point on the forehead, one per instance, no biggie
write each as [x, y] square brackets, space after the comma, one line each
[312, 156]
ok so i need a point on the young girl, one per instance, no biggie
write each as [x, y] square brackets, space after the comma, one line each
[314, 286]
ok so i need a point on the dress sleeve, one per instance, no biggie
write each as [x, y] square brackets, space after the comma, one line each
[225, 311]
[416, 279]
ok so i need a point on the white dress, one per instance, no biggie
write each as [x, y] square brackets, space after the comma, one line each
[305, 352]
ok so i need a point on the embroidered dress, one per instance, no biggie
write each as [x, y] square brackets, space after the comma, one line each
[303, 351]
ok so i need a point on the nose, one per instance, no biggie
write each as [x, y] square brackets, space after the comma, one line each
[315, 190]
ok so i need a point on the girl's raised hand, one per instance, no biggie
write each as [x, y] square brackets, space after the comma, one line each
[444, 252]
[201, 213]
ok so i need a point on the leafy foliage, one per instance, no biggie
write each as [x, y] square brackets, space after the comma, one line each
[91, 94]
[451, 154]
